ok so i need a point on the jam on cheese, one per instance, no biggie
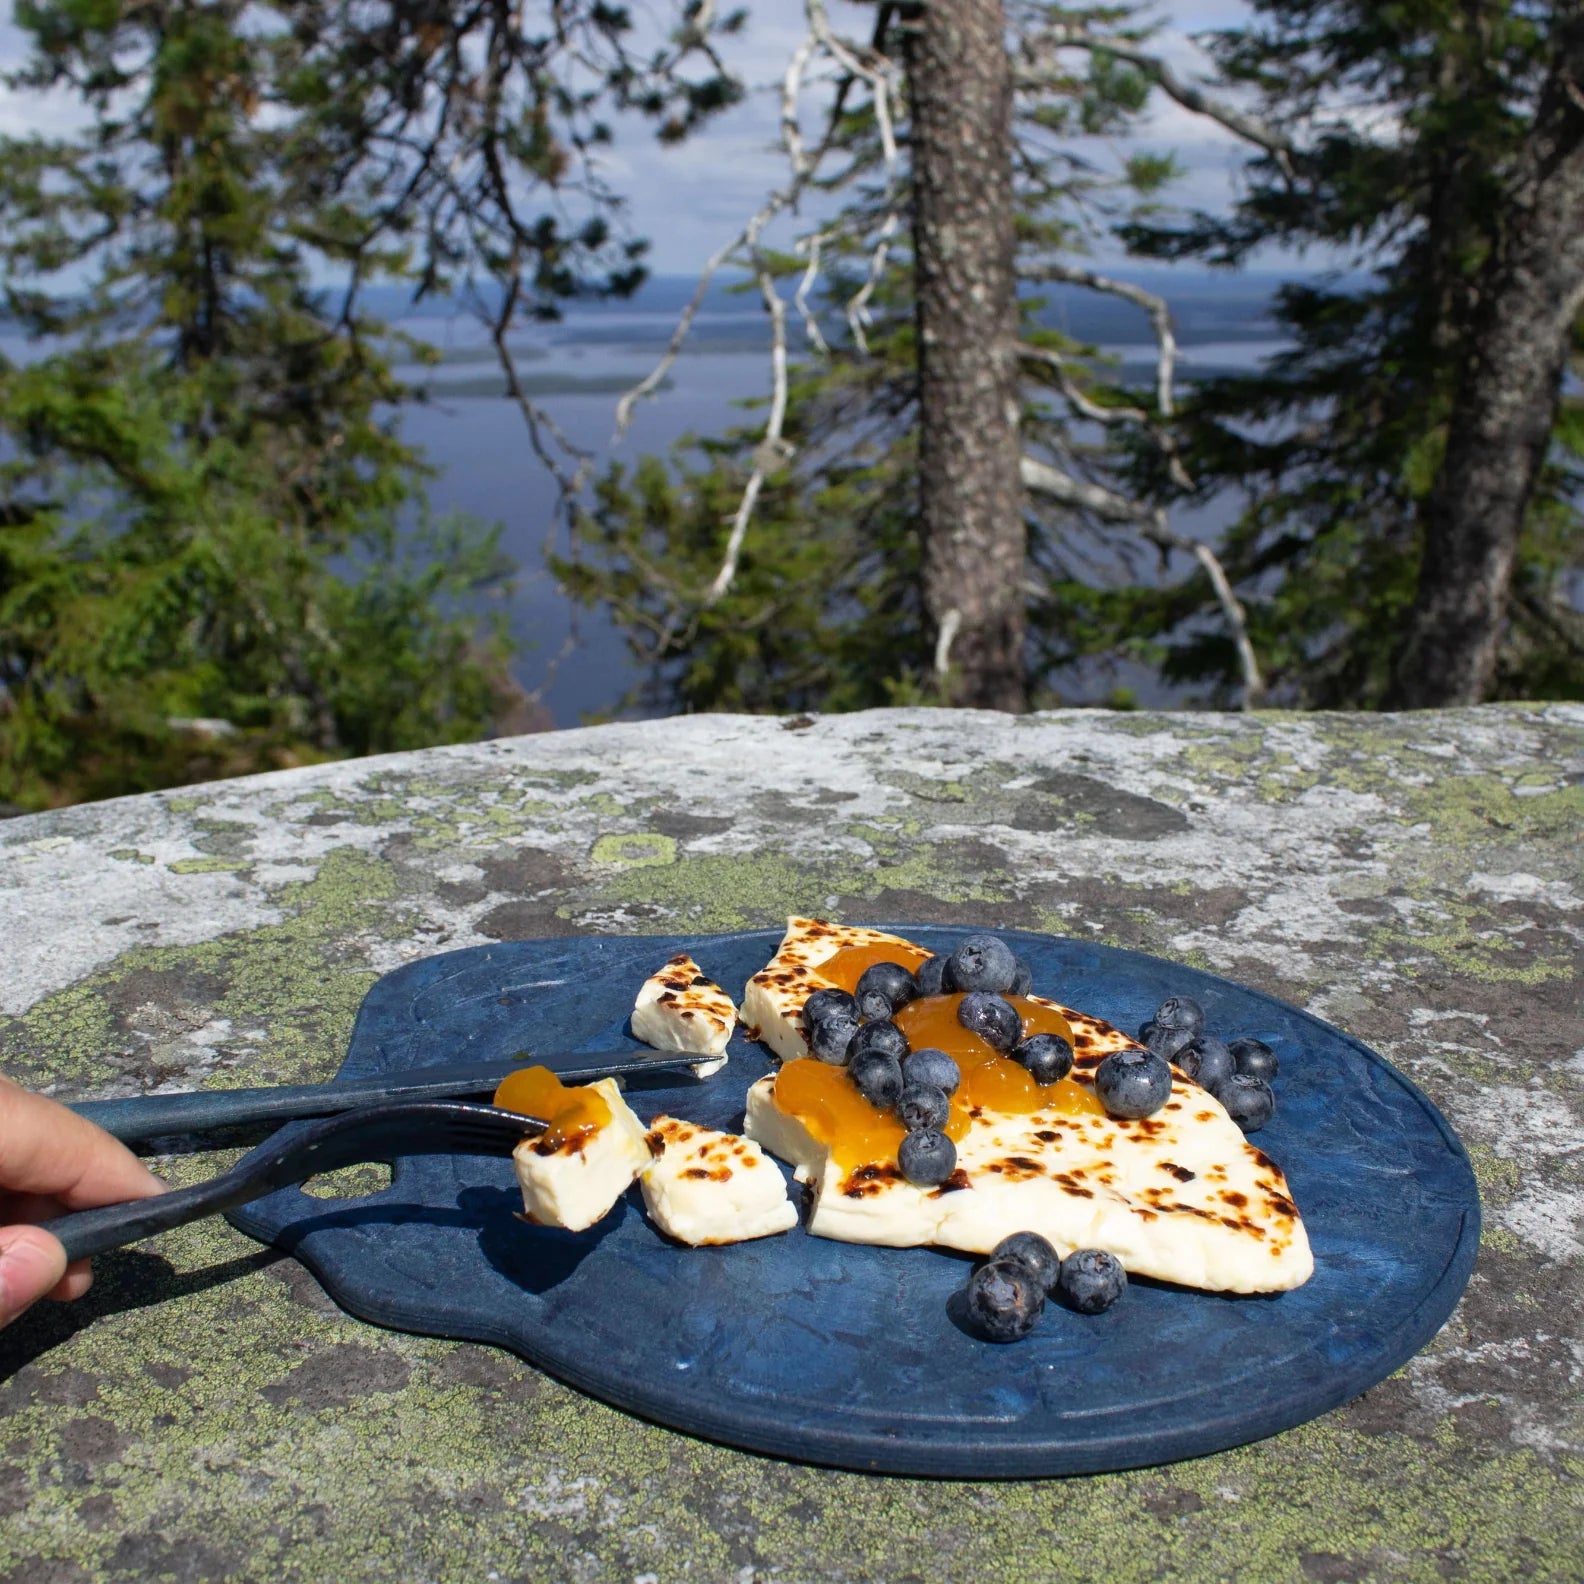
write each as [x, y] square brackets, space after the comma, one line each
[574, 1114]
[989, 1079]
[846, 968]
[828, 1103]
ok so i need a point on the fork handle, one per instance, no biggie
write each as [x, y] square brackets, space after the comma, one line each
[88, 1232]
[378, 1134]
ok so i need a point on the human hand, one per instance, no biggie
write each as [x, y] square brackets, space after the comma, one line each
[52, 1161]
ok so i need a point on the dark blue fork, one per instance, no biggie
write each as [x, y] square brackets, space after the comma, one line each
[378, 1133]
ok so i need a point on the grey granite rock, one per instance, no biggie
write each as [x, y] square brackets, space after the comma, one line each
[206, 1413]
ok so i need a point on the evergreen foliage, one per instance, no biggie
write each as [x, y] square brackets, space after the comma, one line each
[826, 611]
[207, 559]
[1336, 443]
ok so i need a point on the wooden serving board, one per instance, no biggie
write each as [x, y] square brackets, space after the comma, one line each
[830, 1353]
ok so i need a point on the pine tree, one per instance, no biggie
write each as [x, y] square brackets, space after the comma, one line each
[1353, 448]
[207, 562]
[839, 591]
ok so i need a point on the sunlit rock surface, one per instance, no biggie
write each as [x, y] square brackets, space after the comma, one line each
[208, 1414]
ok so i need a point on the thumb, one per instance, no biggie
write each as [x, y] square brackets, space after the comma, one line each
[32, 1262]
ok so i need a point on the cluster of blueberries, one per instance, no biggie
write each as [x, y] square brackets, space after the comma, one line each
[856, 1030]
[1237, 1072]
[1006, 1294]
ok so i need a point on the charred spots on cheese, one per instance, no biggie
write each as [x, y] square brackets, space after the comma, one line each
[1281, 1205]
[1048, 1135]
[953, 1184]
[1016, 1168]
[656, 1142]
[666, 997]
[572, 1144]
[867, 1181]
[698, 982]
[1238, 1201]
[1181, 1173]
[1263, 1161]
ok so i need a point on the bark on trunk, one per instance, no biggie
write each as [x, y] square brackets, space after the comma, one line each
[975, 538]
[1506, 406]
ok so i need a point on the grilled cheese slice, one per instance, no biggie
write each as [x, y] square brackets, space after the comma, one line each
[704, 1186]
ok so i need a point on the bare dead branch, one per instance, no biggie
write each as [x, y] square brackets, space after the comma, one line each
[1109, 505]
[1166, 351]
[771, 452]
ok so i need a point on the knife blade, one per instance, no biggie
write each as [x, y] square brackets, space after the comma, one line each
[142, 1117]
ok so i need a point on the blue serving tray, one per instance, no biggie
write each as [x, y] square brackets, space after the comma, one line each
[830, 1353]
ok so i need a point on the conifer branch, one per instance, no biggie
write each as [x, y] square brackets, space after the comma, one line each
[1191, 97]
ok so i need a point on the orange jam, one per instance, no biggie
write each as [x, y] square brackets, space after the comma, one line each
[537, 1092]
[827, 1102]
[846, 968]
[990, 1079]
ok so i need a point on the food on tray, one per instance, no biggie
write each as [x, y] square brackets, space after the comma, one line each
[1053, 1120]
[575, 1171]
[679, 1009]
[934, 1099]
[704, 1186]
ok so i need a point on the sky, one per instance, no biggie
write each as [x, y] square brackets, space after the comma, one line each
[690, 198]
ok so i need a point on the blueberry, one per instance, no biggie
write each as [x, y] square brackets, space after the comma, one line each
[1212, 1063]
[823, 1002]
[1048, 1057]
[1033, 1253]
[1254, 1058]
[929, 975]
[889, 983]
[1180, 1012]
[932, 1067]
[1024, 982]
[1091, 1280]
[830, 1035]
[927, 1157]
[922, 1106]
[982, 962]
[1004, 1301]
[883, 1036]
[1133, 1083]
[878, 1076]
[1248, 1101]
[993, 1018]
[1167, 1043]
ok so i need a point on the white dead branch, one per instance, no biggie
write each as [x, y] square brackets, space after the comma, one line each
[1152, 523]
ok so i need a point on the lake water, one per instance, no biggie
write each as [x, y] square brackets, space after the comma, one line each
[576, 367]
[478, 441]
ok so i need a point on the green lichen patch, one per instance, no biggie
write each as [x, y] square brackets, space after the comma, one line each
[188, 866]
[301, 980]
[637, 850]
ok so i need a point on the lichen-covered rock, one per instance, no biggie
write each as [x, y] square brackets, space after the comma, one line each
[206, 1413]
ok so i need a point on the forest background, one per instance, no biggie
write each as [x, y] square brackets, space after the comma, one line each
[1012, 444]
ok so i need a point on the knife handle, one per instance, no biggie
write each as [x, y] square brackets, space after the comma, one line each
[211, 1110]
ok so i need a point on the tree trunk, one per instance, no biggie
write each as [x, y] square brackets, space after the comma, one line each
[1506, 405]
[971, 496]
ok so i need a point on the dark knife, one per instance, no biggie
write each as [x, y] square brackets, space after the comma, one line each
[209, 1110]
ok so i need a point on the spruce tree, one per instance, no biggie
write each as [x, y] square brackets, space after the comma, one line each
[1424, 136]
[207, 554]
